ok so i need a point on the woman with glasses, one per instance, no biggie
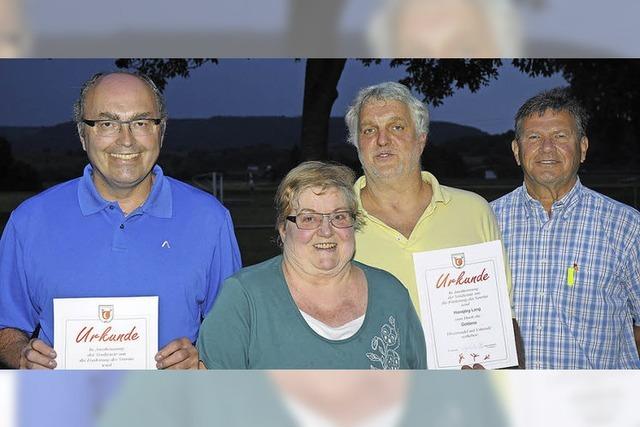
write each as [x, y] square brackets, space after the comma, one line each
[313, 306]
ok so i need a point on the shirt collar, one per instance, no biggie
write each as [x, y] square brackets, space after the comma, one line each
[159, 203]
[560, 207]
[440, 193]
[357, 187]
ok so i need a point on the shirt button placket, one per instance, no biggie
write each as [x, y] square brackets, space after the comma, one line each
[541, 303]
[119, 223]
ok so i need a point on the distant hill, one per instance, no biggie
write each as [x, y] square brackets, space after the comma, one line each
[212, 134]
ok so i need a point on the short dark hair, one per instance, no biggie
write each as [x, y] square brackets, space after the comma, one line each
[557, 99]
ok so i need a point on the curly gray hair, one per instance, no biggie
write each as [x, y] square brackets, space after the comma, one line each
[387, 91]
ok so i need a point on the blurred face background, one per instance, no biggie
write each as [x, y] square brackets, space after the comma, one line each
[345, 397]
[445, 29]
[15, 38]
[331, 28]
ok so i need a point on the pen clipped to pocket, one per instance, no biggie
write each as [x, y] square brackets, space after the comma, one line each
[571, 274]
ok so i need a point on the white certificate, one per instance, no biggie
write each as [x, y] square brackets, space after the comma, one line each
[105, 333]
[465, 307]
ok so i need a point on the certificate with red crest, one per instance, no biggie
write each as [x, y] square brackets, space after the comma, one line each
[106, 333]
[465, 307]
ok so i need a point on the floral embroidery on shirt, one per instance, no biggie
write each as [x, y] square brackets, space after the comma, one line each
[385, 347]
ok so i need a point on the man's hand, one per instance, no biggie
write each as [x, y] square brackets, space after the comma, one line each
[178, 354]
[17, 351]
[37, 355]
[519, 345]
[519, 350]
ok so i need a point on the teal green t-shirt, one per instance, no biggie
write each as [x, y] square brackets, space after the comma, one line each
[255, 324]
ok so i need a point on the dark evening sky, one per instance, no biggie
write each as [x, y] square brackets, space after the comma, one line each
[40, 92]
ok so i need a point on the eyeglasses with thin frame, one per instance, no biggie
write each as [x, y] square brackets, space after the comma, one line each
[110, 127]
[313, 220]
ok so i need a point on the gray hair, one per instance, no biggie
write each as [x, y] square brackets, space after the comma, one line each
[388, 91]
[78, 106]
[557, 99]
[501, 15]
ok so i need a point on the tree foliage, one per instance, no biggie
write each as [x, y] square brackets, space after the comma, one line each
[434, 79]
[161, 70]
[321, 81]
[610, 92]
[437, 79]
[15, 174]
[609, 89]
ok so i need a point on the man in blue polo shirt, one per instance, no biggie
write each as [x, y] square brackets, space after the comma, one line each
[122, 229]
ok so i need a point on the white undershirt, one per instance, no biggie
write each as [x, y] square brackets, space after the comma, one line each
[343, 332]
[305, 416]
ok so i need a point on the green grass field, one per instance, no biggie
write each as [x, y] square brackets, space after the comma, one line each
[253, 213]
[254, 217]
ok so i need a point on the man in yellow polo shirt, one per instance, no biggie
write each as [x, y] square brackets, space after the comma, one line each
[407, 210]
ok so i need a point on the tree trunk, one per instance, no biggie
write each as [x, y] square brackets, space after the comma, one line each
[320, 92]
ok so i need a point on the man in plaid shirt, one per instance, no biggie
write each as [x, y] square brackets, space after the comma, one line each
[574, 253]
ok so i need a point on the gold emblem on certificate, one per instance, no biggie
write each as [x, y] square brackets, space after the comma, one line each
[105, 313]
[457, 260]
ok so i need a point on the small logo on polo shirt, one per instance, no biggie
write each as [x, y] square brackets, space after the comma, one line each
[166, 244]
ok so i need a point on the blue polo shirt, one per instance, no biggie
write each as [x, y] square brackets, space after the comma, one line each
[70, 242]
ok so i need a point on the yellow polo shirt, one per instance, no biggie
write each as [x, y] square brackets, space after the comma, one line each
[453, 218]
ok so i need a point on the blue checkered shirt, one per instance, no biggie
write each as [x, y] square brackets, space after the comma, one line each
[587, 324]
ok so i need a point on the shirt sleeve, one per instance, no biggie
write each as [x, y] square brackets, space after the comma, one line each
[225, 261]
[16, 308]
[225, 334]
[631, 273]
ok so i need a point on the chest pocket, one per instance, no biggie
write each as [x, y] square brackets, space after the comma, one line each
[593, 295]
